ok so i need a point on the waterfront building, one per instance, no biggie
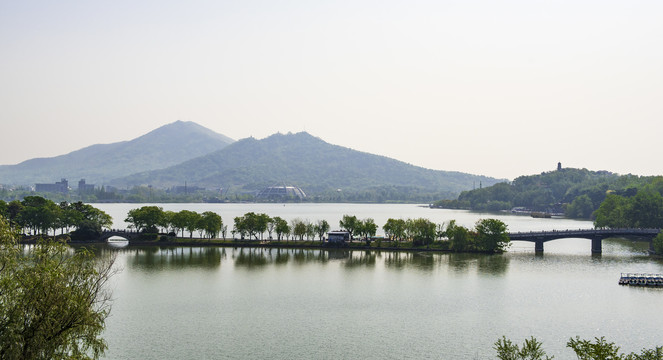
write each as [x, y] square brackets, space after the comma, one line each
[281, 192]
[61, 186]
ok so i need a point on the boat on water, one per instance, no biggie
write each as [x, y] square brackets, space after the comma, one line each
[639, 279]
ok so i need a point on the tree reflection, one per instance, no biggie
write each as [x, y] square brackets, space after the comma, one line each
[361, 258]
[251, 258]
[154, 258]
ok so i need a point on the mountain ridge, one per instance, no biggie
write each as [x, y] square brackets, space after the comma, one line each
[304, 160]
[102, 162]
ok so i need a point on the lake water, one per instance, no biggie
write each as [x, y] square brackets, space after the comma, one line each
[198, 303]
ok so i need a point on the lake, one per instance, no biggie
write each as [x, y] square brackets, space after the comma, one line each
[196, 303]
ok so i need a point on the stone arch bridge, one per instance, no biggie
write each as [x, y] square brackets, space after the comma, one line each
[595, 235]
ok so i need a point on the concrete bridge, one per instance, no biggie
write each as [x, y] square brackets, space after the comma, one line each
[595, 235]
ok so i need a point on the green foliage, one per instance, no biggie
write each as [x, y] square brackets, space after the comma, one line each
[612, 212]
[423, 231]
[321, 228]
[210, 223]
[251, 225]
[579, 190]
[492, 235]
[658, 243]
[319, 168]
[281, 227]
[38, 215]
[599, 349]
[644, 210]
[394, 229]
[53, 304]
[580, 208]
[146, 218]
[350, 223]
[531, 350]
[459, 237]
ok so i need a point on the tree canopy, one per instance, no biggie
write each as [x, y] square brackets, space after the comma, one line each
[53, 304]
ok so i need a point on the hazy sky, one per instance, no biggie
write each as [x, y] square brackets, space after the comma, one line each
[498, 88]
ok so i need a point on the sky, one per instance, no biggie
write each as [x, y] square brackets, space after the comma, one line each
[496, 88]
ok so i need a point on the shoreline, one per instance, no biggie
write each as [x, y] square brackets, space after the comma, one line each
[273, 244]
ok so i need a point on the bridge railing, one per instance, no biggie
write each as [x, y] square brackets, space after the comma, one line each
[585, 232]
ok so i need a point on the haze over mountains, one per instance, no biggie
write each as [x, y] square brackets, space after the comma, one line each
[185, 152]
[168, 145]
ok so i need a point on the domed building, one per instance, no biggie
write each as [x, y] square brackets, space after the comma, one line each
[280, 193]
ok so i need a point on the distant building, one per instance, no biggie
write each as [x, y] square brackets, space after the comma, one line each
[84, 188]
[61, 186]
[559, 166]
[281, 192]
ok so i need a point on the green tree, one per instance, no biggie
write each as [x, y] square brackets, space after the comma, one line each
[349, 223]
[580, 208]
[281, 227]
[179, 221]
[394, 229]
[646, 209]
[192, 221]
[459, 236]
[210, 223]
[53, 304]
[658, 243]
[599, 350]
[321, 228]
[531, 350]
[612, 212]
[298, 228]
[492, 235]
[423, 231]
[368, 227]
[146, 218]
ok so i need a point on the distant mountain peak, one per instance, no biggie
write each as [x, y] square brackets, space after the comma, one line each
[165, 146]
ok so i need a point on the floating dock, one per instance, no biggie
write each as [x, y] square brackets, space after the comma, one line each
[634, 279]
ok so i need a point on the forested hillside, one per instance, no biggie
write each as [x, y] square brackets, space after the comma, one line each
[324, 171]
[575, 192]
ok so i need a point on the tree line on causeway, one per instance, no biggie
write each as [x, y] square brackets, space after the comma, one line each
[488, 235]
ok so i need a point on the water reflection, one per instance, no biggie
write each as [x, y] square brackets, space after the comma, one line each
[250, 257]
[361, 259]
[155, 258]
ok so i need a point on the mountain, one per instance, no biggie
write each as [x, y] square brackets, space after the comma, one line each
[166, 146]
[308, 162]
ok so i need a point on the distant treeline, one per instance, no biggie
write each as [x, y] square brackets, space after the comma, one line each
[246, 193]
[577, 193]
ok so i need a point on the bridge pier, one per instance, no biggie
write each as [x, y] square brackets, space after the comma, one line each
[538, 246]
[596, 246]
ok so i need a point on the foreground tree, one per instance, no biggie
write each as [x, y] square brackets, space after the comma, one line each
[599, 349]
[53, 304]
[531, 350]
[492, 235]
